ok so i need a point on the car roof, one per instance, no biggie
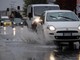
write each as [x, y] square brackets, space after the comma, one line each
[44, 5]
[4, 17]
[58, 11]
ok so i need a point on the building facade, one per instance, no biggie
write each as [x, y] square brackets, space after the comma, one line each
[4, 4]
[78, 7]
[11, 4]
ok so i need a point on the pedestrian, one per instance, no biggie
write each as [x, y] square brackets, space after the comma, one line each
[12, 15]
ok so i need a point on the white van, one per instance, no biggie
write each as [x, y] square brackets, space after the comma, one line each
[35, 10]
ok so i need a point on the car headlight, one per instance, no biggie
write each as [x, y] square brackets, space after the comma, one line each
[21, 22]
[52, 28]
[14, 23]
[79, 27]
[37, 20]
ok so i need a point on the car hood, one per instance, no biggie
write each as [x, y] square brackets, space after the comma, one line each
[72, 24]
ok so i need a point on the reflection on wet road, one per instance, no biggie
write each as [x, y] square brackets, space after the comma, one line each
[23, 44]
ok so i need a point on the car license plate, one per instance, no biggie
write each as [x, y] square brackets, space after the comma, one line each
[7, 24]
[66, 34]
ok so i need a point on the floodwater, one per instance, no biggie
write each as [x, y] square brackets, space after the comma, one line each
[24, 44]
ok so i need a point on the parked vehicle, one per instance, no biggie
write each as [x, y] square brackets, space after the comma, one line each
[5, 21]
[60, 25]
[35, 10]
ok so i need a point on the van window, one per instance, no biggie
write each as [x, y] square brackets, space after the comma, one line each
[42, 17]
[38, 10]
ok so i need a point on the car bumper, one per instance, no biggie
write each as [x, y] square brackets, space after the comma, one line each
[17, 24]
[62, 36]
[7, 24]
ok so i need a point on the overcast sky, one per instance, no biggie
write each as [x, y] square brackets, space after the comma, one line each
[4, 4]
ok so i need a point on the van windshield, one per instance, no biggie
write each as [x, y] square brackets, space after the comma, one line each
[38, 10]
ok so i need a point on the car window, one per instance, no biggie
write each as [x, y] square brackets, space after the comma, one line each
[61, 16]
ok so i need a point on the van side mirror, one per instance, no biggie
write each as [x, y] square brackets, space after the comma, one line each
[30, 15]
[41, 21]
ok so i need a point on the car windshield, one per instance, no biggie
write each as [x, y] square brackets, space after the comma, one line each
[61, 16]
[7, 20]
[4, 19]
[17, 20]
[38, 10]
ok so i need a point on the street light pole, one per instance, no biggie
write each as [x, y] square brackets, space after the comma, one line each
[12, 5]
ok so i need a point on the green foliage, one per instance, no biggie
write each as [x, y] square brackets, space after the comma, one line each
[28, 2]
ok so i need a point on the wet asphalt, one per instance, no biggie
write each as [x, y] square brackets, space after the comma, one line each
[21, 43]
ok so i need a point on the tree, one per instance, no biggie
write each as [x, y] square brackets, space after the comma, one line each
[28, 2]
[67, 4]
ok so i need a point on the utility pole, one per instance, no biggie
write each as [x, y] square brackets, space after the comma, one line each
[12, 4]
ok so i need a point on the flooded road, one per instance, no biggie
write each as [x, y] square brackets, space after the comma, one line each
[24, 44]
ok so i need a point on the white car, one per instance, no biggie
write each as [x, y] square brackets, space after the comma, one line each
[60, 25]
